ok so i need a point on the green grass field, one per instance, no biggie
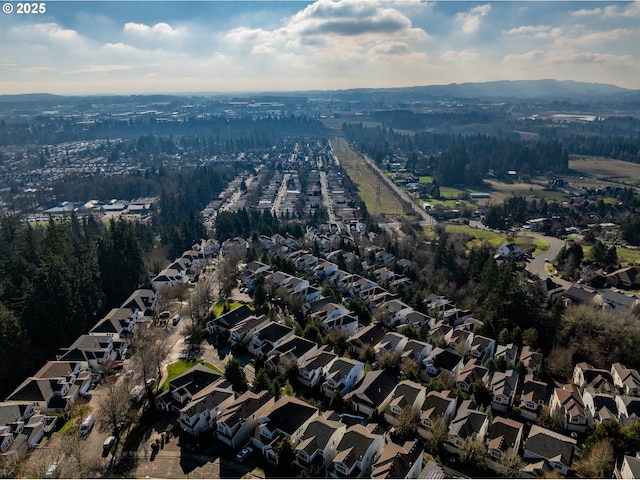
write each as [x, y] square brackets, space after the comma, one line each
[218, 308]
[369, 185]
[607, 170]
[533, 244]
[179, 367]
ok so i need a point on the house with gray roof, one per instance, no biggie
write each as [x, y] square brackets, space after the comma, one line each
[358, 449]
[314, 368]
[503, 390]
[317, 445]
[373, 392]
[437, 406]
[629, 468]
[185, 387]
[342, 374]
[237, 422]
[469, 422]
[406, 394]
[268, 337]
[532, 397]
[287, 418]
[554, 448]
[201, 413]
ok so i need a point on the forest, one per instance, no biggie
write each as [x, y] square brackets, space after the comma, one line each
[56, 280]
[456, 160]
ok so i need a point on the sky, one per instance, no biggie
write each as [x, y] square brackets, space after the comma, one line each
[131, 47]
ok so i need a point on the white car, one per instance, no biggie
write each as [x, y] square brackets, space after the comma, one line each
[244, 453]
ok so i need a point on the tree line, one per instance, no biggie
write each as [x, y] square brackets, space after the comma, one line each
[56, 281]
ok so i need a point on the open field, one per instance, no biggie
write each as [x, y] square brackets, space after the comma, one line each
[533, 245]
[369, 185]
[607, 170]
[501, 191]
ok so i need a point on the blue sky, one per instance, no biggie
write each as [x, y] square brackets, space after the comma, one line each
[98, 47]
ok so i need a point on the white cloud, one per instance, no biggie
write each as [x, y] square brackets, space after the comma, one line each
[534, 31]
[460, 56]
[472, 19]
[524, 58]
[629, 10]
[576, 56]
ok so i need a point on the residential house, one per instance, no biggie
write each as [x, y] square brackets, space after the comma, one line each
[504, 435]
[53, 388]
[243, 332]
[468, 423]
[266, 338]
[459, 340]
[532, 360]
[373, 392]
[406, 394]
[201, 413]
[186, 387]
[318, 444]
[312, 370]
[399, 461]
[532, 397]
[482, 348]
[552, 447]
[391, 342]
[599, 407]
[442, 361]
[294, 349]
[252, 271]
[510, 250]
[509, 352]
[579, 296]
[437, 406]
[145, 300]
[117, 323]
[358, 449]
[416, 350]
[629, 468]
[367, 336]
[471, 373]
[627, 380]
[627, 278]
[348, 324]
[585, 375]
[324, 269]
[568, 401]
[628, 408]
[414, 318]
[503, 390]
[239, 419]
[287, 418]
[93, 351]
[551, 290]
[342, 374]
[229, 320]
[616, 300]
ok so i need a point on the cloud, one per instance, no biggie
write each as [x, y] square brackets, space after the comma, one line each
[460, 56]
[629, 10]
[576, 56]
[534, 31]
[159, 29]
[472, 19]
[528, 57]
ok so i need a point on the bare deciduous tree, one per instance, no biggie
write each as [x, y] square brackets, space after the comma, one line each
[151, 348]
[115, 406]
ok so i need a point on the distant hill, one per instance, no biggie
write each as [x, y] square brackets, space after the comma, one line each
[505, 89]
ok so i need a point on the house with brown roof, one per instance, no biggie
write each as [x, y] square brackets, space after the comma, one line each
[532, 397]
[407, 394]
[585, 375]
[626, 379]
[398, 461]
[436, 406]
[568, 401]
[627, 278]
[531, 359]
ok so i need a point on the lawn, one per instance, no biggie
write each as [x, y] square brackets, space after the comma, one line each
[607, 169]
[533, 244]
[626, 256]
[75, 419]
[218, 308]
[178, 368]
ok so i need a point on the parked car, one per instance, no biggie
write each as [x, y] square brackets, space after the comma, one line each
[108, 443]
[244, 453]
[86, 425]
